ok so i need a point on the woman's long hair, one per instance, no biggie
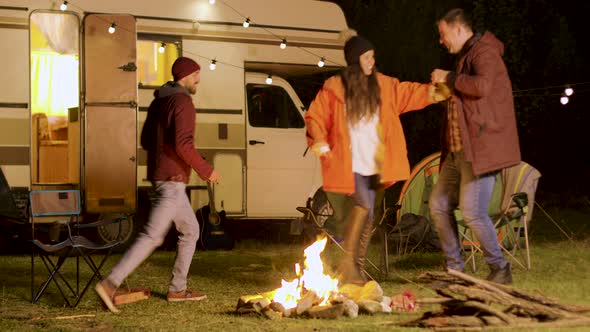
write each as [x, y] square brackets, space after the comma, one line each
[363, 95]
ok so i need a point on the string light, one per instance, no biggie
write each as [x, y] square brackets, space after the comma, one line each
[269, 79]
[569, 91]
[113, 27]
[564, 100]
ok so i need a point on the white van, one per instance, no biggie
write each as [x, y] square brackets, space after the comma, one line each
[77, 84]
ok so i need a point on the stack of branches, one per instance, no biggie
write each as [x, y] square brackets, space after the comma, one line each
[468, 303]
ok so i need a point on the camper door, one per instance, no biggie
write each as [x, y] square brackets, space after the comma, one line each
[110, 113]
[279, 177]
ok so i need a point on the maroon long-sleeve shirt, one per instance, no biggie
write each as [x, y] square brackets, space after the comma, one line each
[168, 137]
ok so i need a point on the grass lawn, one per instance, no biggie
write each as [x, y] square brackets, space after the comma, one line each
[560, 270]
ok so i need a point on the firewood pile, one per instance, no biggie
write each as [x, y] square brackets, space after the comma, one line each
[468, 303]
[348, 301]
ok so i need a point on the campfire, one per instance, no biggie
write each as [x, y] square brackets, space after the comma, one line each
[313, 293]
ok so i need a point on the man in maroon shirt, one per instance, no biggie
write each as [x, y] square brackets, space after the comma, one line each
[168, 138]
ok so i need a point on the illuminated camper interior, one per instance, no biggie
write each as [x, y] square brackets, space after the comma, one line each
[154, 60]
[54, 98]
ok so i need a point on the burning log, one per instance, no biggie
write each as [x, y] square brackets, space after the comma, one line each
[468, 302]
[252, 303]
[306, 302]
[270, 313]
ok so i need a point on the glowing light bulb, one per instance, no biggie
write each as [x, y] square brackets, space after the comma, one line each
[569, 91]
[162, 48]
[322, 62]
[112, 28]
[246, 23]
[212, 2]
[284, 44]
[64, 6]
[564, 100]
[213, 64]
[269, 79]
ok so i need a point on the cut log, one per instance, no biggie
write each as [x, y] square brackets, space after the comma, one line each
[469, 303]
[270, 314]
[124, 296]
[306, 302]
[464, 321]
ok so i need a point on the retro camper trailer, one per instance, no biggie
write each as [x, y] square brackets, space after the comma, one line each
[77, 82]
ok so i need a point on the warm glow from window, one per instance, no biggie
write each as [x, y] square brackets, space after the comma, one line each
[54, 83]
[153, 65]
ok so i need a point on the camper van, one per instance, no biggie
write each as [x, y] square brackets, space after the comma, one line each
[78, 77]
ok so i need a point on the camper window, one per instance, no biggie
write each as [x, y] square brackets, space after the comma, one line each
[54, 92]
[155, 56]
[270, 106]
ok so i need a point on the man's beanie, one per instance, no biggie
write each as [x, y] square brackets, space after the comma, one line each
[183, 67]
[354, 48]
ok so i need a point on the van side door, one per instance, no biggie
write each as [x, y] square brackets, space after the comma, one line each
[279, 177]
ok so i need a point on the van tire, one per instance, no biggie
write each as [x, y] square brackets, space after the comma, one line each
[129, 227]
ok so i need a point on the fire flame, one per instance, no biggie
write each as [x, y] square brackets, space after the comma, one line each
[311, 279]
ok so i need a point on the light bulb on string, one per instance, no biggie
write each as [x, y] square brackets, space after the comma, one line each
[162, 48]
[322, 62]
[284, 44]
[246, 23]
[112, 28]
[269, 79]
[63, 6]
[569, 91]
[564, 100]
[213, 64]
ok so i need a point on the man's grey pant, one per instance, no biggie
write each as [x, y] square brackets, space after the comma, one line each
[171, 206]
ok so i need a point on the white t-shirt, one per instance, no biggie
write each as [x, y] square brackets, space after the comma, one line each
[364, 141]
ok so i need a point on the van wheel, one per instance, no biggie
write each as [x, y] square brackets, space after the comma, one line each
[127, 230]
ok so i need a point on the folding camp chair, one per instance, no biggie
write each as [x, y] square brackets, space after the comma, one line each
[62, 208]
[518, 185]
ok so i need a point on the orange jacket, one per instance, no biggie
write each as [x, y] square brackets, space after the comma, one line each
[326, 121]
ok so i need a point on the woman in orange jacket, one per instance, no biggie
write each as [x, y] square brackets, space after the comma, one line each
[353, 125]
